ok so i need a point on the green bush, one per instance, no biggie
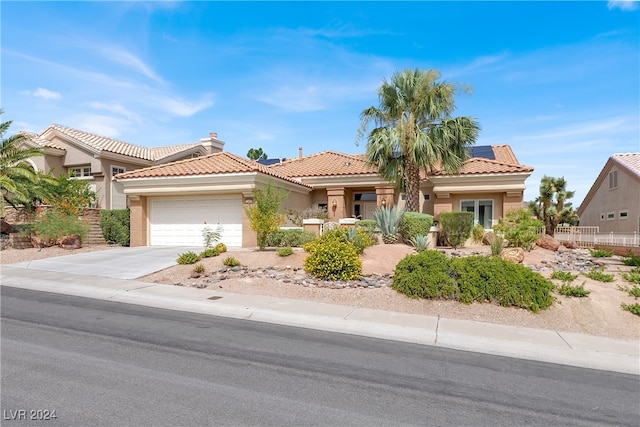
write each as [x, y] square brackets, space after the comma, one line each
[477, 233]
[415, 223]
[231, 262]
[631, 260]
[430, 274]
[332, 259]
[294, 238]
[519, 229]
[355, 237]
[188, 258]
[601, 253]
[456, 227]
[599, 275]
[52, 225]
[565, 276]
[425, 275]
[285, 251]
[209, 252]
[633, 276]
[211, 237]
[632, 308]
[115, 226]
[221, 248]
[573, 291]
[633, 291]
[496, 243]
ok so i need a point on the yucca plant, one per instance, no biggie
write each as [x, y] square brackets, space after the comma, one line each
[388, 220]
[420, 242]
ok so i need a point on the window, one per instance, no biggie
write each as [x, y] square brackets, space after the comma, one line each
[115, 170]
[80, 172]
[611, 216]
[613, 179]
[623, 214]
[365, 197]
[427, 196]
[482, 211]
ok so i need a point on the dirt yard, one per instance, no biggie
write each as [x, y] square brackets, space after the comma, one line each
[598, 314]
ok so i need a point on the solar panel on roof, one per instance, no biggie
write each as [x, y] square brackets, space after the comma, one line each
[483, 151]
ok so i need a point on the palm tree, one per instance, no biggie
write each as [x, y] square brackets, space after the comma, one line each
[552, 205]
[414, 130]
[17, 177]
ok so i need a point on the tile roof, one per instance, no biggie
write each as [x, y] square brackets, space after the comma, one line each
[479, 165]
[101, 143]
[325, 163]
[40, 141]
[212, 164]
[630, 161]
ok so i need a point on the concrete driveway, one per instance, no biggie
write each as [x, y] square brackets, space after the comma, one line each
[117, 263]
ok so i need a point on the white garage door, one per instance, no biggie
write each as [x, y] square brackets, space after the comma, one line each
[179, 221]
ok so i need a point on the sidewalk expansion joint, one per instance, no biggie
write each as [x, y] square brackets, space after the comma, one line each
[140, 287]
[437, 326]
[565, 341]
[350, 313]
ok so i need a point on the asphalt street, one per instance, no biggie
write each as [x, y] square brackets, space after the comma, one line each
[96, 362]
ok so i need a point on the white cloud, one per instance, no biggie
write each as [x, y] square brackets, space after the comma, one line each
[115, 108]
[101, 125]
[130, 60]
[626, 5]
[42, 93]
[180, 107]
[303, 99]
[480, 64]
[168, 37]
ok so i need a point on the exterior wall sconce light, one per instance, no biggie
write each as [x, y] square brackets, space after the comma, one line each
[383, 202]
[334, 203]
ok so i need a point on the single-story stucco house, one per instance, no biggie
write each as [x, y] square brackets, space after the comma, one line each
[172, 203]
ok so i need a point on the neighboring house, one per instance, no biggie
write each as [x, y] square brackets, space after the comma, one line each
[613, 202]
[171, 204]
[98, 159]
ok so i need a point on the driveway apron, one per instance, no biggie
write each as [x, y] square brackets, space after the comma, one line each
[116, 263]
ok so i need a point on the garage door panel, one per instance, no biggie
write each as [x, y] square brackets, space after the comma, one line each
[181, 220]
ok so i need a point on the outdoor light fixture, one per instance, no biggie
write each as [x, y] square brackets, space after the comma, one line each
[334, 203]
[383, 202]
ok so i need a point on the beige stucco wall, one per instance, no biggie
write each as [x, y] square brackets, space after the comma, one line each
[626, 197]
[139, 217]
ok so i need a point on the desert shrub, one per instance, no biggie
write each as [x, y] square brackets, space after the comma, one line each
[115, 227]
[264, 214]
[221, 248]
[456, 227]
[600, 253]
[357, 238]
[370, 227]
[231, 261]
[52, 225]
[573, 291]
[430, 274]
[210, 236]
[188, 258]
[631, 260]
[599, 275]
[198, 268]
[632, 308]
[285, 251]
[293, 237]
[415, 223]
[296, 217]
[494, 279]
[565, 276]
[333, 259]
[633, 291]
[633, 276]
[496, 243]
[425, 275]
[420, 242]
[477, 233]
[388, 222]
[209, 252]
[519, 229]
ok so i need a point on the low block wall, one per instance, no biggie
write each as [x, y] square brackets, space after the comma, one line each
[620, 250]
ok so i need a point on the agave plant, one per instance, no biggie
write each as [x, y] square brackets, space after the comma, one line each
[388, 220]
[420, 242]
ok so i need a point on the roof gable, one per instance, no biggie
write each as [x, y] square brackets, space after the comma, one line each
[325, 163]
[628, 161]
[212, 164]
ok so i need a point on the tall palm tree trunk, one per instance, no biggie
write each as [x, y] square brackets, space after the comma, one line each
[412, 187]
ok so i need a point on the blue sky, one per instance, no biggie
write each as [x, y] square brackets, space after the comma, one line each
[558, 81]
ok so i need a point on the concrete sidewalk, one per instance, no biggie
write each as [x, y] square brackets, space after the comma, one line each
[526, 343]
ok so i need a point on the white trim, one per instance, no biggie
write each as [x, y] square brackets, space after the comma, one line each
[476, 203]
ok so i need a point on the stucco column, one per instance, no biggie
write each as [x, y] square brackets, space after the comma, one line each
[337, 204]
[442, 203]
[139, 218]
[249, 237]
[385, 196]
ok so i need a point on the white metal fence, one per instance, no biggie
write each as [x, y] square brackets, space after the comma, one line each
[590, 236]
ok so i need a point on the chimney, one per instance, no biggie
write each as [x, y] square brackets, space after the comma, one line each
[213, 135]
[299, 152]
[212, 144]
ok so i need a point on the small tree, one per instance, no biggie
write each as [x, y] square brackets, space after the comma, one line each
[552, 206]
[264, 215]
[456, 227]
[256, 154]
[519, 228]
